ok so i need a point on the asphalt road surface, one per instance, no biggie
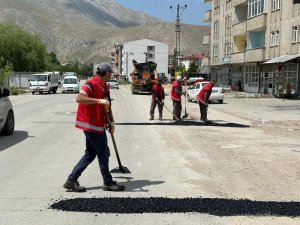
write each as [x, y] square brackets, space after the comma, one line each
[251, 151]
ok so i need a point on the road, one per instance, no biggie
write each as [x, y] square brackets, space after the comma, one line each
[251, 150]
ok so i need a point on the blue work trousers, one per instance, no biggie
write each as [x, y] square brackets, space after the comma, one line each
[96, 145]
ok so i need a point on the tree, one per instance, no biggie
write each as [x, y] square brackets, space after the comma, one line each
[192, 67]
[20, 49]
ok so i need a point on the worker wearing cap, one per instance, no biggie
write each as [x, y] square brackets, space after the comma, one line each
[94, 99]
[202, 99]
[176, 93]
[158, 96]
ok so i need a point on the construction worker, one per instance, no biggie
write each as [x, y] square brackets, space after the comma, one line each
[176, 93]
[94, 99]
[158, 97]
[202, 99]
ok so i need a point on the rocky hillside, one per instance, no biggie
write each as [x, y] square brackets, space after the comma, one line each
[88, 29]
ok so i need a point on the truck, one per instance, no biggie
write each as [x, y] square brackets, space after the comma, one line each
[44, 82]
[144, 76]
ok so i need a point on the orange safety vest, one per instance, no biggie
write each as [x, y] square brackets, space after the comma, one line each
[92, 117]
[174, 96]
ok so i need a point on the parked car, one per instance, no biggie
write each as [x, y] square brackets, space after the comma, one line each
[113, 83]
[70, 84]
[7, 119]
[217, 93]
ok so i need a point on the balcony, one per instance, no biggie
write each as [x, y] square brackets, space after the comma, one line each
[257, 22]
[255, 55]
[238, 2]
[248, 56]
[206, 39]
[237, 57]
[239, 28]
[207, 16]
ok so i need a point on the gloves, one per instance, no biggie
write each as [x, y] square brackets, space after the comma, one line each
[104, 102]
[111, 128]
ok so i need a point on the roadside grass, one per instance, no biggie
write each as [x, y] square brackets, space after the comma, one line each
[17, 91]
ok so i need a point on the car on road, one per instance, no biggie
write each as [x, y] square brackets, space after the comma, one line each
[217, 93]
[7, 118]
[70, 84]
[113, 83]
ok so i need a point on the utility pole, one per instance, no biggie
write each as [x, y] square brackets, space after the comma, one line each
[180, 10]
[127, 54]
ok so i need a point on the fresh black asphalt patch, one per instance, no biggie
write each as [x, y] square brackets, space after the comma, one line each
[212, 206]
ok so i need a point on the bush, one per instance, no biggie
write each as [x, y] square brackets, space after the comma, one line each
[16, 91]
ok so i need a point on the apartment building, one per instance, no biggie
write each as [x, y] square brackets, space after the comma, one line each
[141, 51]
[255, 43]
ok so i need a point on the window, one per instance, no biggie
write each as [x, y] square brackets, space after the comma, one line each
[296, 2]
[256, 7]
[274, 38]
[275, 5]
[277, 37]
[151, 56]
[150, 48]
[272, 41]
[295, 34]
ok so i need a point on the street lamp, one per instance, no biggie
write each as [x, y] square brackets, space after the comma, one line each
[180, 10]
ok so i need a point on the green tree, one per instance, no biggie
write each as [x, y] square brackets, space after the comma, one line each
[20, 49]
[192, 67]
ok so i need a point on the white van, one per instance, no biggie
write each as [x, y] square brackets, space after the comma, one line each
[70, 84]
[7, 119]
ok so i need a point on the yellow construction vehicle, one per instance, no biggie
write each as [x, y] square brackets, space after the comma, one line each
[144, 76]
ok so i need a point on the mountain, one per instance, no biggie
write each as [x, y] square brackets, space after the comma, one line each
[88, 29]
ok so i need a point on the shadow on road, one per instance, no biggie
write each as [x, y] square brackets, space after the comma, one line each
[8, 141]
[189, 123]
[212, 206]
[132, 185]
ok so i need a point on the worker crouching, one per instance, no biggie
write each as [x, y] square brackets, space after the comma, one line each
[202, 99]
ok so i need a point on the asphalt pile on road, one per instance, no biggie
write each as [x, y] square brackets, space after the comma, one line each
[213, 206]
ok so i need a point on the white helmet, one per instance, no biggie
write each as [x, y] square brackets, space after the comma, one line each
[179, 78]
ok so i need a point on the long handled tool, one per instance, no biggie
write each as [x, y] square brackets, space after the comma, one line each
[185, 114]
[168, 109]
[121, 169]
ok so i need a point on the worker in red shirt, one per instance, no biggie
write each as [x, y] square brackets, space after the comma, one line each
[202, 99]
[158, 97]
[176, 93]
[94, 99]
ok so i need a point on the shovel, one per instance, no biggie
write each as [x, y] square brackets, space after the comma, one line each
[167, 109]
[121, 169]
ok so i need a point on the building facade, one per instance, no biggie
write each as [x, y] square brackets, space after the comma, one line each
[142, 51]
[255, 44]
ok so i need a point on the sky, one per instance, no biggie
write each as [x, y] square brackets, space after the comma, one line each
[192, 14]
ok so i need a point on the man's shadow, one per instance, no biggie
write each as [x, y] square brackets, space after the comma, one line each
[132, 185]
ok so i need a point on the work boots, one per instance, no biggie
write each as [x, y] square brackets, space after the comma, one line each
[113, 187]
[160, 117]
[74, 186]
[151, 117]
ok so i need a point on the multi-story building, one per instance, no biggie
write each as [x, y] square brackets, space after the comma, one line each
[255, 43]
[116, 58]
[142, 51]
